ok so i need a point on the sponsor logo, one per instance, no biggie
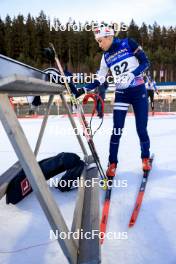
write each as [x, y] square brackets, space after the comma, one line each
[25, 186]
[120, 92]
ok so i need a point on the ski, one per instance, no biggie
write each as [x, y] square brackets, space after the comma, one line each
[81, 117]
[106, 207]
[140, 196]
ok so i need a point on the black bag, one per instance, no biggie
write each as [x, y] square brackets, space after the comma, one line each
[19, 187]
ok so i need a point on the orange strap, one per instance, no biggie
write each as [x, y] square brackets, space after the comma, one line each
[95, 98]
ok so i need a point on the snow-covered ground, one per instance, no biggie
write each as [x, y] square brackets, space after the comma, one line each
[24, 230]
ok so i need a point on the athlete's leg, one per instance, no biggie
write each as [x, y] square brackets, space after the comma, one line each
[119, 113]
[140, 106]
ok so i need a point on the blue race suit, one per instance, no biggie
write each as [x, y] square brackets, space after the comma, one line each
[126, 56]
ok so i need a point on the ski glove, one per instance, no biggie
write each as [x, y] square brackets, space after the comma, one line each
[49, 54]
[80, 91]
[124, 80]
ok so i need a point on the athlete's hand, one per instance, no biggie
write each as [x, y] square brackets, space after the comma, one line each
[80, 91]
[124, 80]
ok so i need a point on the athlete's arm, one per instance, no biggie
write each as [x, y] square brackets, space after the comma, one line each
[101, 76]
[140, 55]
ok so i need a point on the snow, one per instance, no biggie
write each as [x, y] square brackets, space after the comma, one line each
[24, 232]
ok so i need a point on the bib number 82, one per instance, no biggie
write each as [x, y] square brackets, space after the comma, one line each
[123, 67]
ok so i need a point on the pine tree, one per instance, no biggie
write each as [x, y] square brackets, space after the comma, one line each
[42, 37]
[144, 35]
[2, 35]
[30, 49]
[8, 37]
[133, 31]
[18, 37]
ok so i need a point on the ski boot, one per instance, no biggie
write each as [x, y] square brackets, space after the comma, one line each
[146, 166]
[111, 170]
[110, 173]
